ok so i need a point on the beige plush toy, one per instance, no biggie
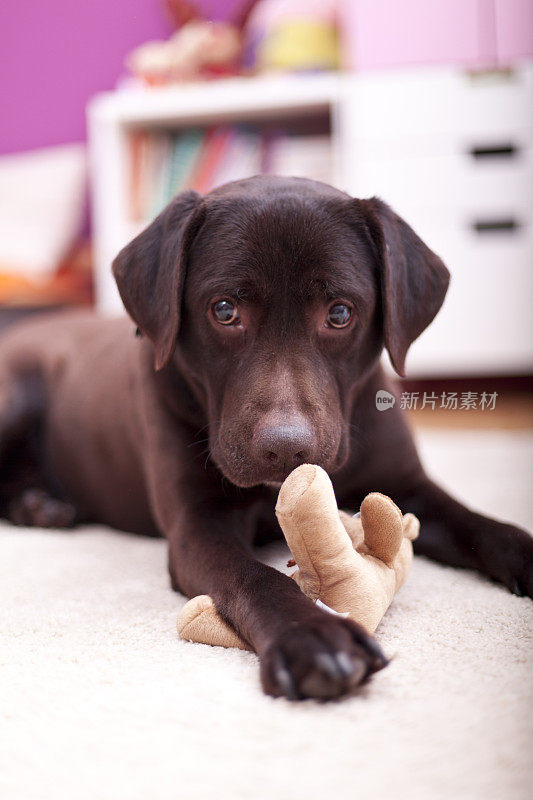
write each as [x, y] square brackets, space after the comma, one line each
[353, 565]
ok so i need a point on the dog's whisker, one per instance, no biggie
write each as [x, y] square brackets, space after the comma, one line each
[201, 441]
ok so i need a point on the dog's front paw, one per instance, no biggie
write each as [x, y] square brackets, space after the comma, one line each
[511, 559]
[323, 658]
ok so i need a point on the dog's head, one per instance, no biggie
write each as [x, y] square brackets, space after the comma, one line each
[275, 297]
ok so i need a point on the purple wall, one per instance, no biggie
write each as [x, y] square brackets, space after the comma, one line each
[54, 55]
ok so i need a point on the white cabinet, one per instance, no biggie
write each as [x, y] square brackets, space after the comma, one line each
[453, 154]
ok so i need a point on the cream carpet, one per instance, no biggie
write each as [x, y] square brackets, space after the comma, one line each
[100, 700]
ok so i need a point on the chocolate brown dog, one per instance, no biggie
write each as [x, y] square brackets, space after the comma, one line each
[263, 307]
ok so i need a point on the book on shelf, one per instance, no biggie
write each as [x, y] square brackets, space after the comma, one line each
[163, 163]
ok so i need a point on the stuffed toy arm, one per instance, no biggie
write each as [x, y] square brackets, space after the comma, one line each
[198, 621]
[353, 565]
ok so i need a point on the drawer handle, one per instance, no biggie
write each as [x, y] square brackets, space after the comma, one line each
[503, 225]
[503, 150]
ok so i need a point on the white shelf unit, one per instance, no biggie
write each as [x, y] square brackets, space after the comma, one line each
[452, 152]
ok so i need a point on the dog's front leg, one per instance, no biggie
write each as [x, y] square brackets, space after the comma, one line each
[303, 651]
[455, 535]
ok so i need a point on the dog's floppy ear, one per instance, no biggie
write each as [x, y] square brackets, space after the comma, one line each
[414, 280]
[150, 272]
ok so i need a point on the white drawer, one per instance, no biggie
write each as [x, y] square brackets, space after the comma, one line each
[486, 324]
[453, 190]
[483, 101]
[410, 104]
[447, 143]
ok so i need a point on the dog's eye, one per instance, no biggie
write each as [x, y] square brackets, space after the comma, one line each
[225, 312]
[339, 315]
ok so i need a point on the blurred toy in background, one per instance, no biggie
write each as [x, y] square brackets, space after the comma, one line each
[292, 36]
[264, 36]
[199, 49]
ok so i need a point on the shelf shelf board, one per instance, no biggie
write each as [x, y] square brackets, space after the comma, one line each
[231, 99]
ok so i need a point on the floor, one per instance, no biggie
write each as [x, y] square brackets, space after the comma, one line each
[100, 700]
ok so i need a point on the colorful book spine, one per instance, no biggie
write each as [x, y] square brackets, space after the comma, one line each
[164, 163]
[211, 158]
[184, 154]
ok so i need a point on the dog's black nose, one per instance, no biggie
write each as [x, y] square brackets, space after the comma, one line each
[285, 446]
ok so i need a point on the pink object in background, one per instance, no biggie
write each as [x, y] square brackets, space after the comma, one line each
[389, 33]
[514, 29]
[270, 12]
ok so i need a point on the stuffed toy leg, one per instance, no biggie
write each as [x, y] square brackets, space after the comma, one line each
[352, 565]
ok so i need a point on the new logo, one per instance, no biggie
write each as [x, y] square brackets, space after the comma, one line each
[384, 400]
